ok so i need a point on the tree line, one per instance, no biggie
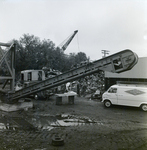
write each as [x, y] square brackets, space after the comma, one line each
[33, 53]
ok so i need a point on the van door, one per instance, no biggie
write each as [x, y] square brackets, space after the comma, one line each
[130, 96]
[112, 95]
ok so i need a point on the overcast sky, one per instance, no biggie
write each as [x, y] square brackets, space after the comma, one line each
[112, 25]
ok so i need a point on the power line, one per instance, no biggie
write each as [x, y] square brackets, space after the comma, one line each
[105, 52]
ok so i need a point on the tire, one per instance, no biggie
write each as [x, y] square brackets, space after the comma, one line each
[144, 107]
[57, 141]
[107, 103]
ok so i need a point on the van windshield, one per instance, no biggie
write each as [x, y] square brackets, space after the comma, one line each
[112, 90]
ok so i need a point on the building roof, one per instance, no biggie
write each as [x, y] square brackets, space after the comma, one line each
[138, 71]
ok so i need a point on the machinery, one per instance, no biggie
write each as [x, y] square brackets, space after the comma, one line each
[29, 77]
[116, 63]
[65, 43]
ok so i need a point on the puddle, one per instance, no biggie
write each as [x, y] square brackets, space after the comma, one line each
[45, 122]
[14, 123]
[63, 120]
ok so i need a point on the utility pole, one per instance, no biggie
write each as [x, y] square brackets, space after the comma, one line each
[105, 52]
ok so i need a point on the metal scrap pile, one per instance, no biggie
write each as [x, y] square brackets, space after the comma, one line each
[90, 84]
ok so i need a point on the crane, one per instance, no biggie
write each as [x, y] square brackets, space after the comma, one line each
[66, 42]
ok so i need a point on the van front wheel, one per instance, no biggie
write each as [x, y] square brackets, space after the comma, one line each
[144, 107]
[107, 103]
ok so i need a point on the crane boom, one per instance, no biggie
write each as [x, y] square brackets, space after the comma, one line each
[65, 45]
[116, 63]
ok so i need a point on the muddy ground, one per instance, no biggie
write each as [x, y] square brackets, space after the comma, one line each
[85, 125]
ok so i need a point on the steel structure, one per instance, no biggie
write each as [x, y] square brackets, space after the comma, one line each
[65, 43]
[116, 63]
[8, 57]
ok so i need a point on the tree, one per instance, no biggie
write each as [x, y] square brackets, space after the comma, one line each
[32, 53]
[81, 57]
[26, 52]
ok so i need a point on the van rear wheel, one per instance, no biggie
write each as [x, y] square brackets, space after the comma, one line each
[144, 107]
[107, 103]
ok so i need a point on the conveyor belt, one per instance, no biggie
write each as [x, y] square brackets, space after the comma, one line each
[116, 63]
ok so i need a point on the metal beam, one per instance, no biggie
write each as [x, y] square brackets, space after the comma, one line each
[6, 61]
[5, 44]
[5, 78]
[11, 66]
[5, 55]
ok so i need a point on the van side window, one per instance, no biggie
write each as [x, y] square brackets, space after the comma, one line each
[112, 90]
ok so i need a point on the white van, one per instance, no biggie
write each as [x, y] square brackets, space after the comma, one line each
[126, 94]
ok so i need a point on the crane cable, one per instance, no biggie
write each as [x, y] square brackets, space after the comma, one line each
[78, 43]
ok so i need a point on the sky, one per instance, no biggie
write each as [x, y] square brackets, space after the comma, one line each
[112, 25]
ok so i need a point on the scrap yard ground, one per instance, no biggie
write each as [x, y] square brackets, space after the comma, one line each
[85, 125]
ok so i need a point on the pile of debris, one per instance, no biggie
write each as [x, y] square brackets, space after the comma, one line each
[92, 85]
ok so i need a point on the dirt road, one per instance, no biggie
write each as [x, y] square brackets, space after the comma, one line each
[86, 125]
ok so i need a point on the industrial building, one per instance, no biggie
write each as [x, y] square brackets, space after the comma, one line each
[137, 74]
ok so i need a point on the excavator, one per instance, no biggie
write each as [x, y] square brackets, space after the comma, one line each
[116, 63]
